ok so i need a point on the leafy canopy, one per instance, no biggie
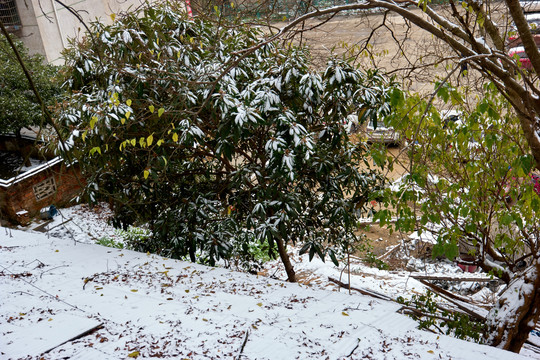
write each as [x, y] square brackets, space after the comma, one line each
[214, 147]
[471, 182]
[17, 100]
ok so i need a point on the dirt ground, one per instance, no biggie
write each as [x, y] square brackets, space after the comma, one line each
[394, 47]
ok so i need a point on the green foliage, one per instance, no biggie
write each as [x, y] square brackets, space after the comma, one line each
[134, 238]
[107, 241]
[471, 182]
[17, 101]
[250, 254]
[216, 158]
[432, 316]
[373, 261]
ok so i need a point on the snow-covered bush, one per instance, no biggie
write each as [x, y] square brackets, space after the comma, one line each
[213, 138]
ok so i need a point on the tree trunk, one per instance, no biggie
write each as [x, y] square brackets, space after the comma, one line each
[282, 250]
[517, 311]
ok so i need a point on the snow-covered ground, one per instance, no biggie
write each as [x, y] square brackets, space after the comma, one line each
[63, 293]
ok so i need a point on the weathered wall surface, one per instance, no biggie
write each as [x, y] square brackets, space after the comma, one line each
[57, 185]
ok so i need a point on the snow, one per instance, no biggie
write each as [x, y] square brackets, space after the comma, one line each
[27, 171]
[58, 286]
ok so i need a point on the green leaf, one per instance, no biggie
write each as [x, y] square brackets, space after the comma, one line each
[333, 258]
[151, 108]
[160, 112]
[312, 251]
[506, 219]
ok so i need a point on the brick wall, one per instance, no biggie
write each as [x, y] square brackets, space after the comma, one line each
[22, 196]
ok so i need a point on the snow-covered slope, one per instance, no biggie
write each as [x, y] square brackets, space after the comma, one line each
[53, 290]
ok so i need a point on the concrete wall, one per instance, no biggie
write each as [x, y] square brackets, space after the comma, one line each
[48, 26]
[29, 32]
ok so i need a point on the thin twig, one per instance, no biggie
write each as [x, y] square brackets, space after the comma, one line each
[243, 345]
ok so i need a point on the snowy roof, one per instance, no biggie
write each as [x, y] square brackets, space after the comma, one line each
[134, 304]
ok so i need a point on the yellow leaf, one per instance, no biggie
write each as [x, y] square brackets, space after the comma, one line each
[151, 108]
[431, 352]
[134, 354]
[204, 319]
[113, 16]
[122, 121]
[50, 319]
[93, 121]
[128, 102]
[84, 135]
[128, 114]
[134, 290]
[175, 137]
[160, 112]
[344, 313]
[149, 140]
[159, 142]
[187, 291]
[259, 304]
[146, 173]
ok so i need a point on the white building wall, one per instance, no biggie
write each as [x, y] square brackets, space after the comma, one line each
[51, 25]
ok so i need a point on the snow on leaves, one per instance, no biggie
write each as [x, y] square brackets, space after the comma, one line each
[168, 121]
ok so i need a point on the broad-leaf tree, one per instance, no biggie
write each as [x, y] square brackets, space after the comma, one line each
[471, 186]
[479, 35]
[179, 127]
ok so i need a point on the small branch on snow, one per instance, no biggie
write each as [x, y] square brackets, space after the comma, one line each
[361, 291]
[43, 272]
[243, 345]
[455, 300]
[353, 350]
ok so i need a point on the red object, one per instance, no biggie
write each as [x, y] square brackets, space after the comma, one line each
[523, 57]
[467, 268]
[188, 9]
